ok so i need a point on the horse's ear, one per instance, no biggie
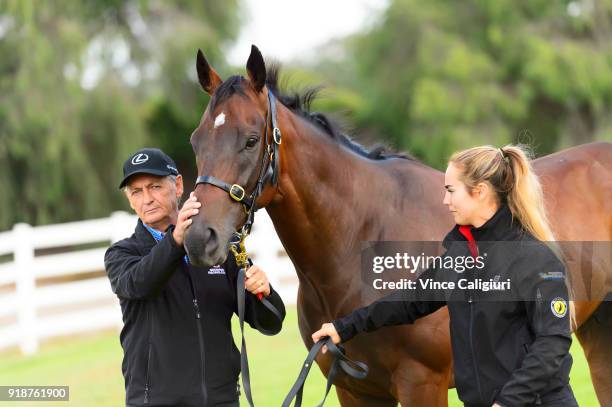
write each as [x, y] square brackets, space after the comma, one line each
[256, 68]
[208, 77]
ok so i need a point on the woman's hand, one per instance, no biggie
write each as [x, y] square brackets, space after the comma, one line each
[327, 329]
[256, 281]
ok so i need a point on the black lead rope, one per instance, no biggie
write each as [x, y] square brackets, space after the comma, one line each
[244, 360]
[357, 370]
[243, 262]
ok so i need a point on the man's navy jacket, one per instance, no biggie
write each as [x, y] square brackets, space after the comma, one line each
[177, 339]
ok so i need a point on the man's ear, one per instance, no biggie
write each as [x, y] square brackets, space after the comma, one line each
[179, 186]
[126, 191]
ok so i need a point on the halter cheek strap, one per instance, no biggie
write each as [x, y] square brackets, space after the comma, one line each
[269, 170]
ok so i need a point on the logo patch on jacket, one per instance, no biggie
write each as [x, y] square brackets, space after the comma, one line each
[558, 307]
[216, 269]
[552, 275]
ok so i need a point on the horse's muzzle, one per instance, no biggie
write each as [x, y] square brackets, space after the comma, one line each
[203, 246]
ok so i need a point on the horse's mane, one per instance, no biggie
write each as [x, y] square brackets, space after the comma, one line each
[300, 103]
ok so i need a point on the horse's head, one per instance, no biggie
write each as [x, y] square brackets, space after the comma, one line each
[236, 148]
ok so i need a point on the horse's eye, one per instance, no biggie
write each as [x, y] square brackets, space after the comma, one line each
[251, 142]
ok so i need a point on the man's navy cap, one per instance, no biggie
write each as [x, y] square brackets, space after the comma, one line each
[148, 161]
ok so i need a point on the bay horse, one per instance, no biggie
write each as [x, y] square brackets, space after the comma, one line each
[332, 194]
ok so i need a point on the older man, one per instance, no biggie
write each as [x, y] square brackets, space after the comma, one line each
[177, 339]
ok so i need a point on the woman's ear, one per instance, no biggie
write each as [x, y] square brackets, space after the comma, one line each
[481, 191]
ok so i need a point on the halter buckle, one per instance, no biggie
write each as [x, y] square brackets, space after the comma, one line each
[237, 192]
[276, 135]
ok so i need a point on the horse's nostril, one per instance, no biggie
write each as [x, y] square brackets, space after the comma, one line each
[211, 241]
[201, 239]
[210, 236]
[202, 245]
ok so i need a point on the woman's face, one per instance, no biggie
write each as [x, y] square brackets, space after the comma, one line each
[463, 205]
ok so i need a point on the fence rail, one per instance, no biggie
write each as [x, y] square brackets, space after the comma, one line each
[54, 285]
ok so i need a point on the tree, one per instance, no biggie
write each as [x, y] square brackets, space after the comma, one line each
[442, 75]
[81, 83]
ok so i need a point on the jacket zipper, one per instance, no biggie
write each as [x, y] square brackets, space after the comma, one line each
[148, 366]
[538, 309]
[471, 302]
[198, 316]
[538, 400]
[147, 375]
[201, 341]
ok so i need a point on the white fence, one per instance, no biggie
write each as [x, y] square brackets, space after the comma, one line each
[51, 287]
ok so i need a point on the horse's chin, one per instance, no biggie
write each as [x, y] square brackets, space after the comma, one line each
[204, 258]
[201, 260]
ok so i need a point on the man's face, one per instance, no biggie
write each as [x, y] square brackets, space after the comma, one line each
[155, 199]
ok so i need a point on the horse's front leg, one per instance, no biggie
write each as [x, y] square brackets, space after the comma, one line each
[417, 385]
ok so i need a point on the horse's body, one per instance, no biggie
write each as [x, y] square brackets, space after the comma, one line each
[330, 198]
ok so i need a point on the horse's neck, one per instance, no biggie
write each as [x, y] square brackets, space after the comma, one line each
[329, 201]
[316, 207]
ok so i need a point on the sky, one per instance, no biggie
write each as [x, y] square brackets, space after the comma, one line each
[286, 30]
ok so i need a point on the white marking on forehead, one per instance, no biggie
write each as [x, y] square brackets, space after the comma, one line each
[219, 120]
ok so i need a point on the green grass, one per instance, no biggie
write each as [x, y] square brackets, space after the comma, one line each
[91, 366]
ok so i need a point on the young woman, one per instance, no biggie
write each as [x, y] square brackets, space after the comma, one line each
[506, 352]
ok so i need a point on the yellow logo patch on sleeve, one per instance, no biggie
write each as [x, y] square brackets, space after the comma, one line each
[558, 307]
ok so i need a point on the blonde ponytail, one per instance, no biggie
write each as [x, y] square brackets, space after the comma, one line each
[525, 197]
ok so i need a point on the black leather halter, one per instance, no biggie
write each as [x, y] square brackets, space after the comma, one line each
[269, 171]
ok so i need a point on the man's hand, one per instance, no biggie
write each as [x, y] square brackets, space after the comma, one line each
[183, 221]
[327, 329]
[256, 281]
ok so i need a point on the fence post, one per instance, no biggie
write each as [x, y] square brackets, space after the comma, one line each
[121, 227]
[25, 285]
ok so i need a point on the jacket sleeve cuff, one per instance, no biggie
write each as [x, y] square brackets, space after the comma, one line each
[342, 330]
[178, 249]
[271, 292]
[500, 400]
[275, 299]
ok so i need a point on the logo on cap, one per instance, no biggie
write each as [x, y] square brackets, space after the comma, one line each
[140, 158]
